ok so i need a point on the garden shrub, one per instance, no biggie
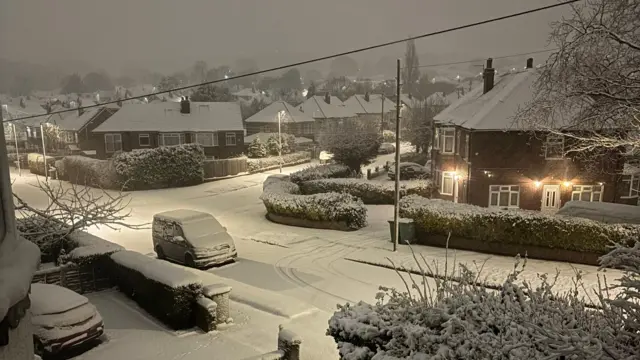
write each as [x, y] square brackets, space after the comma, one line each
[519, 227]
[167, 291]
[282, 197]
[84, 170]
[162, 167]
[257, 149]
[329, 171]
[370, 192]
[60, 172]
[418, 158]
[48, 235]
[90, 249]
[36, 163]
[389, 136]
[273, 162]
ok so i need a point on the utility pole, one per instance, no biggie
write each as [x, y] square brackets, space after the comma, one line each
[396, 203]
[15, 138]
[280, 139]
[382, 114]
[44, 153]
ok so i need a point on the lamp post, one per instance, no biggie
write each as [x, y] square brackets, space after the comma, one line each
[15, 138]
[44, 153]
[280, 114]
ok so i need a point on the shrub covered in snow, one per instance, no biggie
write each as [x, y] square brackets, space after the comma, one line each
[387, 148]
[162, 167]
[84, 170]
[521, 227]
[89, 249]
[437, 318]
[389, 136]
[353, 143]
[316, 172]
[268, 163]
[36, 163]
[46, 235]
[370, 192]
[257, 149]
[167, 291]
[283, 198]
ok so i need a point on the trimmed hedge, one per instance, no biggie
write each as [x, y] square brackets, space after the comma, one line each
[167, 291]
[273, 162]
[370, 192]
[162, 167]
[282, 197]
[90, 249]
[84, 170]
[36, 163]
[329, 171]
[519, 227]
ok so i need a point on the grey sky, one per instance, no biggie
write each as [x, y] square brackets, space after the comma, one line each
[172, 34]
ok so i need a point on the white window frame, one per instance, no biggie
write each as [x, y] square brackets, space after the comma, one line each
[595, 192]
[68, 137]
[144, 136]
[162, 136]
[230, 135]
[201, 137]
[554, 140]
[504, 190]
[445, 176]
[445, 134]
[634, 190]
[115, 139]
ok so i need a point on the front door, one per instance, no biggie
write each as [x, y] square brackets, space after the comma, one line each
[550, 198]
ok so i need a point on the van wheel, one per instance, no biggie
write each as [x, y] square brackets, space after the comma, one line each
[160, 253]
[188, 260]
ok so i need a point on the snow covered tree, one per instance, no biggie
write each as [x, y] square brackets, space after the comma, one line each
[592, 79]
[257, 149]
[353, 143]
[273, 145]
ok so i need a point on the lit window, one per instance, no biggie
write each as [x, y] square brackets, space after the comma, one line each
[144, 140]
[591, 193]
[554, 147]
[446, 140]
[207, 139]
[504, 196]
[230, 139]
[446, 187]
[112, 142]
[171, 139]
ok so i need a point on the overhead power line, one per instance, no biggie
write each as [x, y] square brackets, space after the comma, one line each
[494, 58]
[282, 67]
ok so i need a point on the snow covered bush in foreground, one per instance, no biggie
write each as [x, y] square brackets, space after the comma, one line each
[162, 167]
[442, 319]
[374, 193]
[434, 216]
[265, 163]
[329, 171]
[282, 197]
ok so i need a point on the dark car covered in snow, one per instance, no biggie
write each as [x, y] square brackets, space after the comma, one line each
[62, 319]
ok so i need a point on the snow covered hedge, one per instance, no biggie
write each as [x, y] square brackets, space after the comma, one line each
[84, 170]
[282, 197]
[162, 167]
[167, 291]
[90, 249]
[447, 320]
[370, 192]
[329, 171]
[36, 163]
[434, 216]
[272, 162]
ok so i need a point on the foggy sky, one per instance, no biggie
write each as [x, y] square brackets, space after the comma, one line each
[168, 35]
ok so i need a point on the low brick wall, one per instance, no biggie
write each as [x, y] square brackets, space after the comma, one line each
[291, 221]
[288, 347]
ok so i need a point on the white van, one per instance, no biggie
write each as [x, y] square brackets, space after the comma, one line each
[193, 238]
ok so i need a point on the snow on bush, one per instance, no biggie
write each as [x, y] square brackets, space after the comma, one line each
[257, 149]
[89, 248]
[389, 136]
[439, 319]
[46, 234]
[84, 170]
[329, 171]
[283, 198]
[267, 163]
[36, 163]
[434, 216]
[162, 167]
[370, 192]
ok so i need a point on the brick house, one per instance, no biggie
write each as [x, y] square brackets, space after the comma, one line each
[76, 129]
[370, 107]
[292, 121]
[482, 157]
[326, 108]
[217, 126]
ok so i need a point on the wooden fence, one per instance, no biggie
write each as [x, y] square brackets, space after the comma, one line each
[224, 167]
[81, 279]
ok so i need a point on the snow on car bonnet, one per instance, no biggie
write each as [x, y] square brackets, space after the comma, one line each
[49, 299]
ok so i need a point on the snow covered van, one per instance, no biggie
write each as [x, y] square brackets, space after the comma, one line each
[601, 211]
[193, 238]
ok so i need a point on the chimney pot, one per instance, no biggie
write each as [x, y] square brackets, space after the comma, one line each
[530, 63]
[185, 105]
[489, 76]
[489, 63]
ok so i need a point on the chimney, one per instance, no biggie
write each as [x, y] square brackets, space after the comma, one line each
[488, 74]
[327, 98]
[185, 105]
[530, 63]
[366, 96]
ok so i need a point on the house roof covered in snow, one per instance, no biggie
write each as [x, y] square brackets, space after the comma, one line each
[166, 117]
[359, 105]
[270, 114]
[317, 108]
[77, 121]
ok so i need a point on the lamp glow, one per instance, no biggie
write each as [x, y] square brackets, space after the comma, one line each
[537, 183]
[567, 183]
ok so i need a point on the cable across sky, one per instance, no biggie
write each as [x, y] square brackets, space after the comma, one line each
[327, 57]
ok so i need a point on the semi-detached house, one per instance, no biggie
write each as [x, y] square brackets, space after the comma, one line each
[217, 126]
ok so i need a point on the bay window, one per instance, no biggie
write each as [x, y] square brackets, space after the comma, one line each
[171, 139]
[207, 139]
[592, 193]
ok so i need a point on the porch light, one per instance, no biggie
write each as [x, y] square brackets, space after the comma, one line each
[567, 183]
[537, 183]
[600, 183]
